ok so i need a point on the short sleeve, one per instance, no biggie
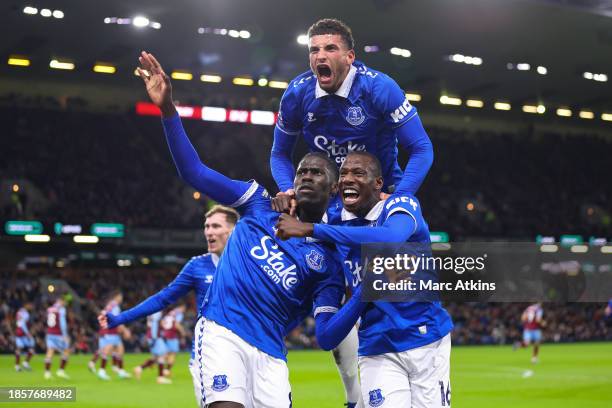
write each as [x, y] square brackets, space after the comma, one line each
[391, 102]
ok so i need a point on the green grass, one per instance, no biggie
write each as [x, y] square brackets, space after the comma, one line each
[574, 375]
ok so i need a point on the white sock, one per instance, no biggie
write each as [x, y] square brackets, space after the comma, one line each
[345, 356]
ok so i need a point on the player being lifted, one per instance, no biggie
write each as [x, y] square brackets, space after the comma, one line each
[404, 346]
[196, 275]
[23, 338]
[339, 106]
[57, 338]
[262, 285]
[110, 340]
[533, 321]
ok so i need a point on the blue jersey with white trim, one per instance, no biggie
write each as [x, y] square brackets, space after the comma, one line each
[361, 116]
[263, 284]
[198, 275]
[388, 327]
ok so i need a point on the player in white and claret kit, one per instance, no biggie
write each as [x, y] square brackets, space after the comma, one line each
[158, 349]
[533, 321]
[57, 338]
[172, 331]
[110, 342]
[23, 338]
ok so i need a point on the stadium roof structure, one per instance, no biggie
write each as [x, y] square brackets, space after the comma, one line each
[567, 38]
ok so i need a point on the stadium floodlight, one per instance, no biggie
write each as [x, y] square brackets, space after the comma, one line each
[15, 188]
[262, 82]
[278, 84]
[234, 33]
[181, 75]
[30, 10]
[402, 52]
[549, 248]
[86, 239]
[197, 195]
[55, 64]
[542, 70]
[371, 48]
[210, 78]
[104, 68]
[302, 39]
[587, 75]
[448, 100]
[457, 58]
[505, 106]
[413, 97]
[243, 81]
[474, 103]
[140, 21]
[37, 238]
[534, 109]
[579, 249]
[245, 34]
[18, 61]
[600, 77]
[565, 112]
[155, 25]
[523, 66]
[607, 117]
[46, 13]
[58, 14]
[584, 114]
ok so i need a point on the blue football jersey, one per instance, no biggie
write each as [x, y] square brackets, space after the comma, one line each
[198, 275]
[362, 115]
[264, 285]
[388, 327]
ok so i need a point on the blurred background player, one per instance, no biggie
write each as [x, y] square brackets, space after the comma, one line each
[532, 319]
[110, 340]
[57, 338]
[196, 275]
[339, 106]
[173, 333]
[23, 338]
[158, 349]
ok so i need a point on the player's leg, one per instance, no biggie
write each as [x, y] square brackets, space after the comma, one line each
[64, 361]
[29, 355]
[119, 352]
[18, 348]
[270, 377]
[345, 357]
[48, 356]
[429, 368]
[384, 379]
[96, 355]
[222, 359]
[537, 338]
[104, 354]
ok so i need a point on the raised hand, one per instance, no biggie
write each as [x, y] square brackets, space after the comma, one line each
[157, 83]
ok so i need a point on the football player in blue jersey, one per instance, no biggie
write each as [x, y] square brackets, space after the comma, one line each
[262, 285]
[196, 275]
[404, 347]
[340, 106]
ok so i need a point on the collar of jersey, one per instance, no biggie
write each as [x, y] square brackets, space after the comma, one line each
[344, 89]
[214, 258]
[371, 216]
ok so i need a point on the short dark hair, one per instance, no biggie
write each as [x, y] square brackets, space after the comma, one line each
[375, 165]
[329, 164]
[231, 215]
[333, 26]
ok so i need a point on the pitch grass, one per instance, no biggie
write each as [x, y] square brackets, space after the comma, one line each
[572, 375]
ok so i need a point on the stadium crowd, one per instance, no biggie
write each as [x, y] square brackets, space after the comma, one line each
[475, 323]
[93, 167]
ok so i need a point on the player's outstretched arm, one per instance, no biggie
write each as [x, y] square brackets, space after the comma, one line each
[331, 328]
[412, 136]
[178, 288]
[397, 228]
[191, 169]
[281, 164]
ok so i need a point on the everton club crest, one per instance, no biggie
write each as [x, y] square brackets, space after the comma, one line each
[376, 398]
[220, 383]
[355, 116]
